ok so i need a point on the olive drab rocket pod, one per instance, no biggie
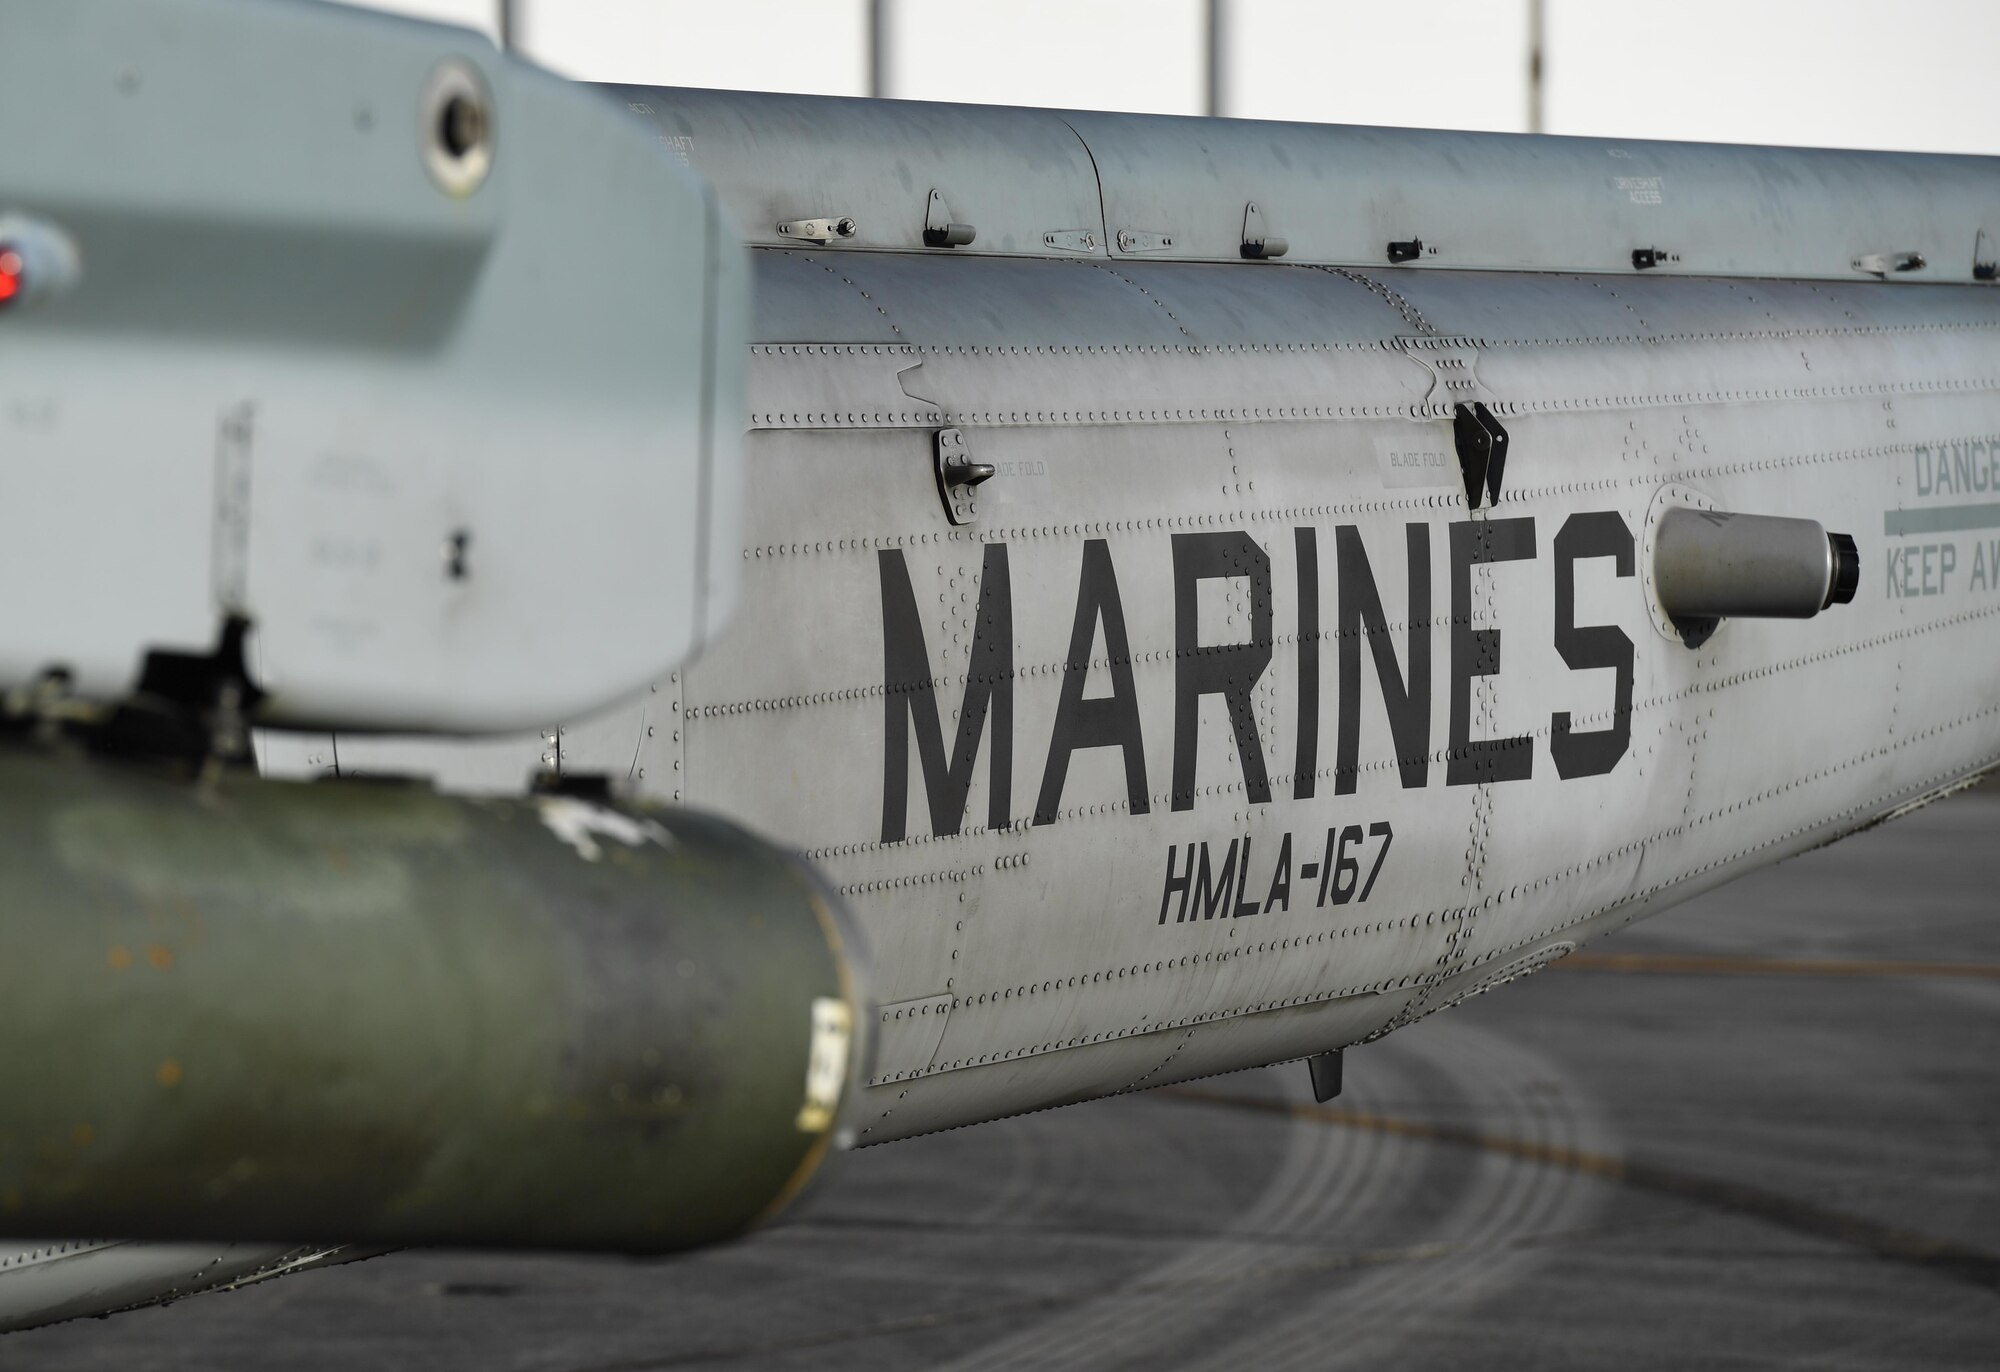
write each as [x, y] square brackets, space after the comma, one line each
[361, 1011]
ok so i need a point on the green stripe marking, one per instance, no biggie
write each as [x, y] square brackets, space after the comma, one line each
[1940, 519]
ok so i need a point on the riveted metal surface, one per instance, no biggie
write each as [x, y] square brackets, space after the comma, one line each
[1673, 402]
[1532, 203]
[1058, 183]
[1015, 174]
[1290, 413]
[71, 1278]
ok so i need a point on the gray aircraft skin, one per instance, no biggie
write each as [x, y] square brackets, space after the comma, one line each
[1212, 593]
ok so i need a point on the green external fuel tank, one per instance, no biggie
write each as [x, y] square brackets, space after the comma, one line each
[361, 1011]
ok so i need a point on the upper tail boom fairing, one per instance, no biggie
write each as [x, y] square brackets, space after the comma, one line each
[1081, 185]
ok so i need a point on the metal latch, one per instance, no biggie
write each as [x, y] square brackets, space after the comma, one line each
[1482, 451]
[1985, 262]
[818, 230]
[939, 231]
[957, 476]
[1645, 259]
[1882, 263]
[1070, 240]
[1406, 250]
[1143, 240]
[1258, 243]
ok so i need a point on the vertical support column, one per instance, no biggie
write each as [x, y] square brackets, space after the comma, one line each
[1215, 92]
[881, 48]
[1536, 66]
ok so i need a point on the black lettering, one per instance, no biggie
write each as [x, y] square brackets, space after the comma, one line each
[909, 702]
[1177, 882]
[1407, 699]
[1248, 907]
[1379, 829]
[1229, 670]
[1476, 652]
[1593, 752]
[1209, 898]
[1346, 870]
[1280, 893]
[1101, 721]
[1306, 540]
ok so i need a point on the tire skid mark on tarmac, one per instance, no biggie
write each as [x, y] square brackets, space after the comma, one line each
[1329, 1187]
[1349, 1261]
[1333, 1196]
[1962, 1262]
[1312, 1183]
[1502, 1206]
[1534, 1159]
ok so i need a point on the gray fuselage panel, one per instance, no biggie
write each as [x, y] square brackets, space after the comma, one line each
[1225, 732]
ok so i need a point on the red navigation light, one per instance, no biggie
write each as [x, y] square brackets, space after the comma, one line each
[10, 274]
